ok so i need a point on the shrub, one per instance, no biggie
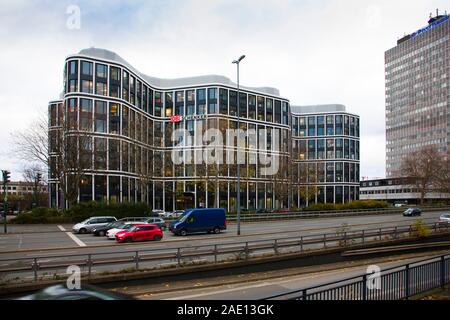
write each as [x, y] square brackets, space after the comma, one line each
[354, 205]
[420, 229]
[82, 212]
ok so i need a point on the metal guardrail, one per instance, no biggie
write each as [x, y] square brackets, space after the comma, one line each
[315, 214]
[240, 250]
[396, 283]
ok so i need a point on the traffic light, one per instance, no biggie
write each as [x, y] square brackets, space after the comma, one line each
[39, 177]
[6, 177]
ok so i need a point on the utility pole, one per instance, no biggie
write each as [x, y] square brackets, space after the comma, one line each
[6, 180]
[237, 62]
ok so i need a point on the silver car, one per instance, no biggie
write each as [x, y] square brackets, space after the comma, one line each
[88, 225]
[445, 218]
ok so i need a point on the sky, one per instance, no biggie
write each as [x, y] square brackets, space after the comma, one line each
[314, 52]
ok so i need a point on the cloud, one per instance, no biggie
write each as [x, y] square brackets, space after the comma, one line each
[326, 51]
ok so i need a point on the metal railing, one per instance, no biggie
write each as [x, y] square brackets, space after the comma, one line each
[396, 283]
[215, 253]
[316, 214]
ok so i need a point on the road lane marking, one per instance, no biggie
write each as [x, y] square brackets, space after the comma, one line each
[75, 238]
[219, 291]
[61, 228]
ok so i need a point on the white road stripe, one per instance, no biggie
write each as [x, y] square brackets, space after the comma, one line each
[75, 238]
[220, 291]
[62, 228]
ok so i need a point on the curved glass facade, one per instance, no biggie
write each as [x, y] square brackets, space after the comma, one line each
[132, 124]
[325, 157]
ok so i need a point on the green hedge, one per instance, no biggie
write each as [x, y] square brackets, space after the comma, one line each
[83, 211]
[354, 205]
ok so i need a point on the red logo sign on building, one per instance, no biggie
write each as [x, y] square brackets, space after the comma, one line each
[176, 118]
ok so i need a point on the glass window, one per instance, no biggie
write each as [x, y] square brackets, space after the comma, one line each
[201, 94]
[169, 104]
[179, 97]
[190, 96]
[100, 116]
[73, 85]
[86, 114]
[312, 149]
[233, 103]
[73, 68]
[212, 101]
[252, 107]
[243, 105]
[269, 110]
[101, 71]
[223, 101]
[86, 68]
[158, 104]
[262, 108]
[125, 85]
[114, 118]
[86, 86]
[277, 111]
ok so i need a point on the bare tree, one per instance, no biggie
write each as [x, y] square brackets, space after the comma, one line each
[423, 167]
[65, 149]
[31, 144]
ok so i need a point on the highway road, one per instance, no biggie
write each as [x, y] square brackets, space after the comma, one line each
[42, 237]
[265, 288]
[63, 242]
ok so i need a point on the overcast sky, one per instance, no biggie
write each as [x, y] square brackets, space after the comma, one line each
[315, 52]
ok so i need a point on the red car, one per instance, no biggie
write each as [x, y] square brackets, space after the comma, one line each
[140, 232]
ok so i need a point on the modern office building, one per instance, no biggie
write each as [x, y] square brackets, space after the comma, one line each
[397, 191]
[325, 157]
[135, 152]
[417, 93]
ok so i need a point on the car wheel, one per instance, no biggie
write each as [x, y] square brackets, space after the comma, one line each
[216, 230]
[128, 240]
[183, 233]
[101, 233]
[82, 231]
[157, 238]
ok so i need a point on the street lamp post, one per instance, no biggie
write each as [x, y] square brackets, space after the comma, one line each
[237, 62]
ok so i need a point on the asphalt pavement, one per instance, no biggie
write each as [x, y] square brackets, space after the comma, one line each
[40, 238]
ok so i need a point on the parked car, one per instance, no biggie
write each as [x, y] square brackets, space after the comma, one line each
[134, 219]
[140, 232]
[177, 214]
[200, 220]
[111, 234]
[158, 213]
[412, 212]
[86, 292]
[101, 231]
[158, 222]
[90, 224]
[262, 211]
[445, 218]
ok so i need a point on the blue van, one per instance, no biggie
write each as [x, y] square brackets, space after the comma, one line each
[200, 220]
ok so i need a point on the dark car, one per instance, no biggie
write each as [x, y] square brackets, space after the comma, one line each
[261, 211]
[101, 231]
[157, 221]
[411, 212]
[86, 292]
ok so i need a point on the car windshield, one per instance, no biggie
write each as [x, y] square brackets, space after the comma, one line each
[184, 216]
[409, 210]
[128, 226]
[132, 228]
